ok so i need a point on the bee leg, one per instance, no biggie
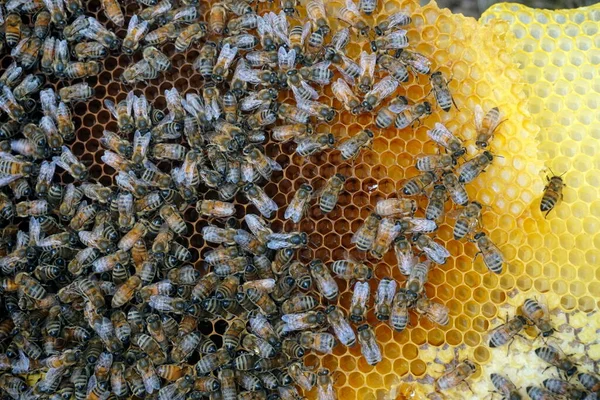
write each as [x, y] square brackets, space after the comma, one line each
[453, 102]
[469, 386]
[546, 215]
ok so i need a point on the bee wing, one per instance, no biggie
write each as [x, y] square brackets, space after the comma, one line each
[351, 6]
[347, 78]
[262, 27]
[46, 171]
[193, 104]
[133, 23]
[478, 116]
[398, 39]
[243, 238]
[340, 39]
[227, 55]
[421, 225]
[280, 236]
[322, 68]
[35, 230]
[22, 365]
[439, 249]
[340, 89]
[384, 87]
[357, 234]
[111, 107]
[257, 225]
[286, 59]
[367, 63]
[397, 108]
[277, 244]
[361, 294]
[281, 26]
[305, 31]
[399, 19]
[249, 75]
[268, 204]
[441, 135]
[386, 292]
[173, 99]
[48, 101]
[142, 141]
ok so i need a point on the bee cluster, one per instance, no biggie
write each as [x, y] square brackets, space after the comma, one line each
[100, 293]
[534, 314]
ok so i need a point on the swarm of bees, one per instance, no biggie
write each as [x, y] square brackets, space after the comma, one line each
[99, 292]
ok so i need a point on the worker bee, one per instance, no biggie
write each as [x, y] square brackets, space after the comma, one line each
[387, 230]
[506, 332]
[113, 11]
[446, 139]
[325, 390]
[135, 32]
[226, 57]
[89, 51]
[301, 376]
[260, 199]
[27, 51]
[455, 377]
[553, 193]
[30, 286]
[189, 35]
[299, 203]
[398, 19]
[56, 8]
[263, 164]
[12, 29]
[456, 190]
[434, 251]
[293, 114]
[319, 110]
[398, 315]
[350, 14]
[394, 207]
[365, 236]
[384, 297]
[160, 35]
[368, 345]
[390, 41]
[172, 217]
[417, 184]
[505, 387]
[407, 115]
[243, 41]
[350, 148]
[29, 85]
[309, 145]
[156, 58]
[33, 208]
[126, 291]
[298, 304]
[344, 94]
[537, 393]
[77, 92]
[416, 61]
[358, 305]
[475, 166]
[10, 106]
[564, 388]
[276, 241]
[348, 269]
[326, 285]
[435, 205]
[439, 86]
[262, 300]
[589, 382]
[381, 90]
[534, 312]
[342, 329]
[468, 219]
[552, 356]
[322, 342]
[48, 54]
[435, 312]
[486, 125]
[415, 284]
[492, 257]
[329, 195]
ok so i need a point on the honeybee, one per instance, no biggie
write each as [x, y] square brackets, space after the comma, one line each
[243, 23]
[387, 230]
[156, 10]
[350, 14]
[407, 115]
[323, 342]
[113, 11]
[318, 73]
[492, 257]
[439, 86]
[358, 305]
[537, 393]
[435, 312]
[260, 199]
[350, 148]
[156, 58]
[416, 61]
[172, 217]
[395, 207]
[309, 145]
[329, 195]
[26, 52]
[216, 18]
[33, 208]
[77, 92]
[401, 18]
[475, 166]
[244, 41]
[368, 345]
[348, 269]
[381, 90]
[299, 303]
[28, 86]
[384, 297]
[417, 184]
[506, 332]
[564, 388]
[456, 190]
[295, 115]
[344, 94]
[299, 203]
[126, 291]
[191, 34]
[589, 382]
[263, 164]
[390, 41]
[456, 376]
[342, 329]
[12, 29]
[436, 203]
[446, 139]
[553, 193]
[365, 236]
[160, 35]
[56, 8]
[44, 180]
[468, 219]
[534, 312]
[315, 10]
[434, 251]
[293, 240]
[301, 376]
[319, 110]
[30, 286]
[327, 286]
[10, 106]
[135, 32]
[505, 387]
[211, 362]
[215, 208]
[552, 356]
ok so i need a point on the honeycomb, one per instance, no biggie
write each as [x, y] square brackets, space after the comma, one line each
[538, 68]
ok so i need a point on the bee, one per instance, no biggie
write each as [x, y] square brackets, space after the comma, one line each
[299, 204]
[350, 14]
[327, 286]
[398, 315]
[319, 110]
[302, 321]
[344, 94]
[33, 208]
[537, 393]
[152, 13]
[309, 145]
[30, 286]
[441, 92]
[381, 90]
[348, 269]
[262, 300]
[398, 19]
[589, 382]
[396, 207]
[126, 291]
[435, 312]
[342, 329]
[148, 374]
[415, 283]
[486, 125]
[160, 35]
[505, 387]
[10, 106]
[553, 193]
[384, 297]
[455, 377]
[176, 223]
[552, 356]
[216, 18]
[407, 115]
[446, 139]
[456, 190]
[215, 208]
[318, 73]
[27, 51]
[364, 237]
[329, 195]
[12, 29]
[435, 205]
[76, 92]
[260, 326]
[298, 304]
[467, 220]
[387, 231]
[184, 348]
[323, 342]
[350, 148]
[416, 61]
[301, 376]
[135, 32]
[242, 23]
[256, 195]
[211, 362]
[191, 34]
[293, 240]
[244, 41]
[295, 115]
[113, 11]
[472, 168]
[263, 164]
[492, 257]
[56, 8]
[534, 312]
[358, 305]
[564, 388]
[417, 184]
[81, 69]
[29, 85]
[315, 10]
[434, 251]
[506, 332]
